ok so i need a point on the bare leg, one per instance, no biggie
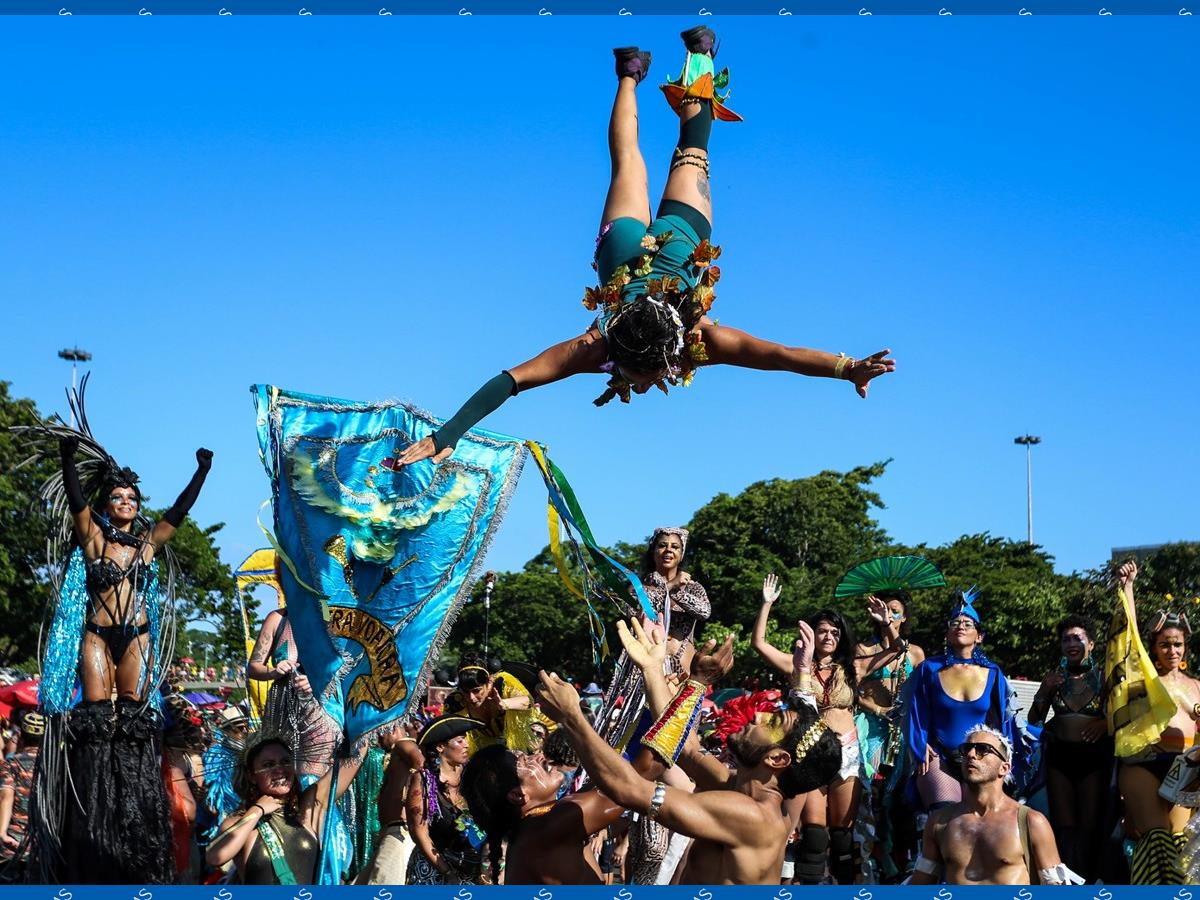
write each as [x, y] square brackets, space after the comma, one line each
[129, 670]
[95, 669]
[628, 187]
[844, 796]
[687, 181]
[1139, 790]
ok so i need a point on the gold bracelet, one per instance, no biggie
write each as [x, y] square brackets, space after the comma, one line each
[840, 366]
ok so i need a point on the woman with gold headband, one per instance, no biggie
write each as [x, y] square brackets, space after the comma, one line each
[1154, 821]
[499, 700]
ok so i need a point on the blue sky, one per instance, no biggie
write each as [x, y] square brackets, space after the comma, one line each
[399, 207]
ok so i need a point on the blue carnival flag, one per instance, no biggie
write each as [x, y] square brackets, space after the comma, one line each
[377, 563]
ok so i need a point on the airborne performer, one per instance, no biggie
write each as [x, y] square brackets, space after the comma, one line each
[656, 273]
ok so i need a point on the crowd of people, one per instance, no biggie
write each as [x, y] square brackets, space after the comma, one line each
[860, 761]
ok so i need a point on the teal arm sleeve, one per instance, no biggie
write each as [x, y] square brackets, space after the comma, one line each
[484, 401]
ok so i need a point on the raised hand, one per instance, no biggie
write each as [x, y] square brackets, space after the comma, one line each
[861, 371]
[802, 650]
[878, 610]
[1127, 574]
[204, 458]
[558, 699]
[647, 650]
[771, 589]
[422, 449]
[67, 446]
[709, 667]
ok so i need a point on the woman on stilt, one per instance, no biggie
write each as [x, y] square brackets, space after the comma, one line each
[105, 819]
[656, 273]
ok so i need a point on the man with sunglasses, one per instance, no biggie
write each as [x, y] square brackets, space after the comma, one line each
[989, 838]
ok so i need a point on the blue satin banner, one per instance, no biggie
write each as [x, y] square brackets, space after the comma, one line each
[377, 562]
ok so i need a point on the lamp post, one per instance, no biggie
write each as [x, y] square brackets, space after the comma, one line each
[75, 355]
[489, 583]
[1028, 440]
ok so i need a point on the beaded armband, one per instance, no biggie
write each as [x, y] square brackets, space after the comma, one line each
[667, 736]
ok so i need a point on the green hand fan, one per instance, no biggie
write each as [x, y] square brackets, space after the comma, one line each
[889, 573]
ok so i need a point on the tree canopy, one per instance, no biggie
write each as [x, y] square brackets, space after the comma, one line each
[810, 532]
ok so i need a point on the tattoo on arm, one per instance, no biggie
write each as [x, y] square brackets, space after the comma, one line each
[702, 187]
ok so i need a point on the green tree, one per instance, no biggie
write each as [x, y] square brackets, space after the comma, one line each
[24, 587]
[206, 590]
[809, 531]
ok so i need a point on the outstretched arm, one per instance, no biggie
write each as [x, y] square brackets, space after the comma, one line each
[758, 639]
[731, 347]
[173, 517]
[258, 669]
[80, 513]
[314, 802]
[585, 353]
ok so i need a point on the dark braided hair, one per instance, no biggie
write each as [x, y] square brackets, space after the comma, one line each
[558, 750]
[820, 765]
[643, 336]
[486, 781]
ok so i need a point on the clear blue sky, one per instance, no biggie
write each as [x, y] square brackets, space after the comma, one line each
[399, 207]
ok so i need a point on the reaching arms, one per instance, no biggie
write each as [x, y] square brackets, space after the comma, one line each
[173, 517]
[729, 346]
[76, 503]
[314, 802]
[758, 640]
[585, 353]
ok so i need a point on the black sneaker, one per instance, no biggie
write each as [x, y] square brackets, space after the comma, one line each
[700, 39]
[632, 63]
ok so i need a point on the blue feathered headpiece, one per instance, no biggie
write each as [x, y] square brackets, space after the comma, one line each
[964, 605]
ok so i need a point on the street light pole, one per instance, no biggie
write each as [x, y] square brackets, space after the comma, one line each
[75, 355]
[1028, 440]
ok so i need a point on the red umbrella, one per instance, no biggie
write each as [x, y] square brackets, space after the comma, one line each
[23, 693]
[187, 660]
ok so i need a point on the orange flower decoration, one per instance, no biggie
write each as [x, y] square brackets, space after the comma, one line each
[704, 254]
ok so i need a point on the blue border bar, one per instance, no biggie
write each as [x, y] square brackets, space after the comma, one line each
[543, 8]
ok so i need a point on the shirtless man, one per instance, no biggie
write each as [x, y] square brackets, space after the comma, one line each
[736, 818]
[395, 842]
[513, 796]
[981, 840]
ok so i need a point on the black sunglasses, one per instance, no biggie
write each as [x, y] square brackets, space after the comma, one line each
[981, 750]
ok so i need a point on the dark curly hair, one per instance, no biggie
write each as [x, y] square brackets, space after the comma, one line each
[643, 336]
[819, 765]
[1076, 621]
[488, 778]
[558, 750]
